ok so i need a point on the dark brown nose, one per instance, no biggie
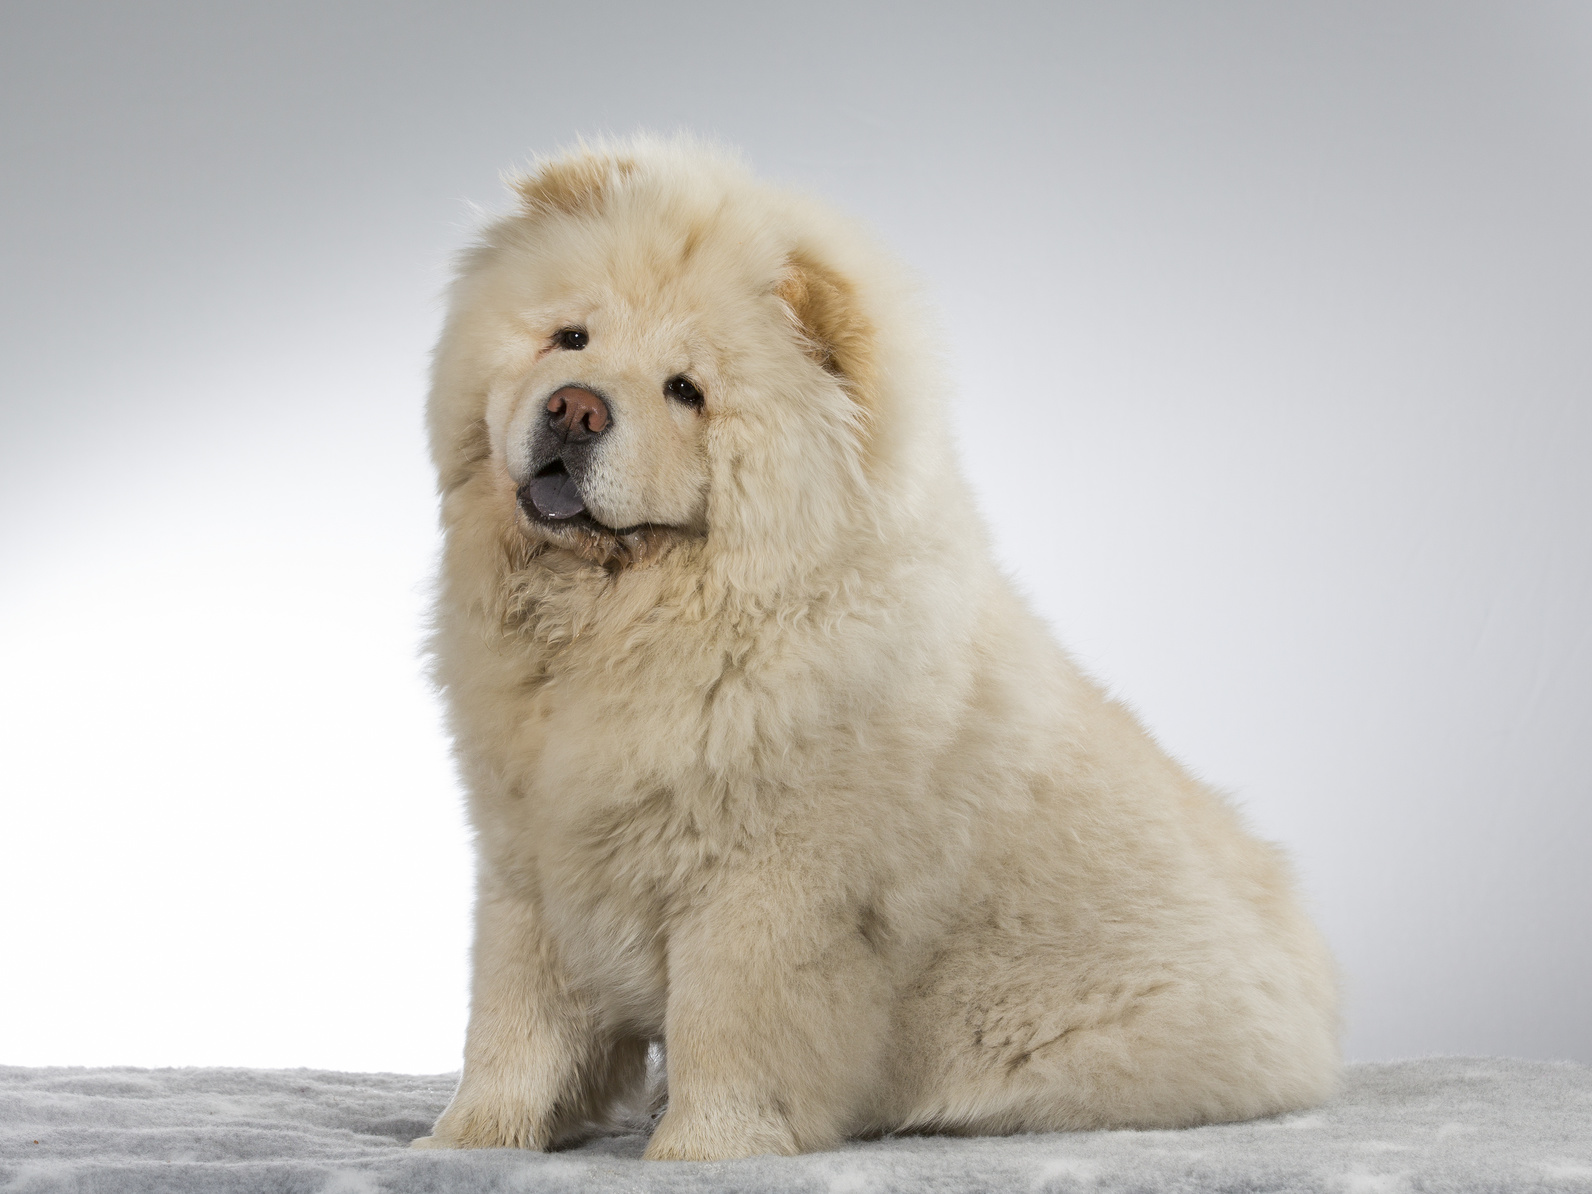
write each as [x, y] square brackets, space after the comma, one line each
[577, 413]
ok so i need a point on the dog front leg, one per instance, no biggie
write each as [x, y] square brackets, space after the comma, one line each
[777, 1015]
[527, 1040]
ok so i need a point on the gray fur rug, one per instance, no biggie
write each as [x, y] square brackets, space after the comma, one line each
[1440, 1124]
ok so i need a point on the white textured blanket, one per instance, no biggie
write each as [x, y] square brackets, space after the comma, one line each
[1441, 1124]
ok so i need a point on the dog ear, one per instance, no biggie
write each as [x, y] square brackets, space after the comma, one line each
[578, 182]
[836, 334]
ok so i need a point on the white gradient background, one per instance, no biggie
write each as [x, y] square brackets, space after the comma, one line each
[1273, 326]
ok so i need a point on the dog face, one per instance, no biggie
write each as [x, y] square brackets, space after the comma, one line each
[658, 363]
[603, 435]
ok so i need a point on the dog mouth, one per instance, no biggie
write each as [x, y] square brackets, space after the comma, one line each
[552, 494]
[552, 499]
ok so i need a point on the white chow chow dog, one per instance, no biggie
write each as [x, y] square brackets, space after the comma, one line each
[767, 762]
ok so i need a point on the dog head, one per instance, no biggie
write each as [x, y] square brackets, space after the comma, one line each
[656, 350]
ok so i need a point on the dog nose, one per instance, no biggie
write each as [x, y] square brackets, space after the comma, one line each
[577, 413]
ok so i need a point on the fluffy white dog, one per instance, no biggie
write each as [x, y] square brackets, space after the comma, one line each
[767, 762]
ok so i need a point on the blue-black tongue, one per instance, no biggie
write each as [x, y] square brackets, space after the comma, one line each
[555, 495]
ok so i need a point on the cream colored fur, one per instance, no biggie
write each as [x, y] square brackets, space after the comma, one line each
[789, 779]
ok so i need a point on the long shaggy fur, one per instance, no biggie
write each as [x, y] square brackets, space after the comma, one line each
[785, 777]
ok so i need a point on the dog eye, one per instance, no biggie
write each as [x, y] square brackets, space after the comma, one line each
[681, 390]
[573, 339]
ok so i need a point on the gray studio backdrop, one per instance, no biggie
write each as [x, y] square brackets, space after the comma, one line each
[1273, 330]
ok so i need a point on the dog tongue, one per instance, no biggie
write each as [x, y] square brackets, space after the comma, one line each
[556, 496]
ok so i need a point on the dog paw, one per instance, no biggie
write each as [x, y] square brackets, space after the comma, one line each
[719, 1138]
[476, 1125]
